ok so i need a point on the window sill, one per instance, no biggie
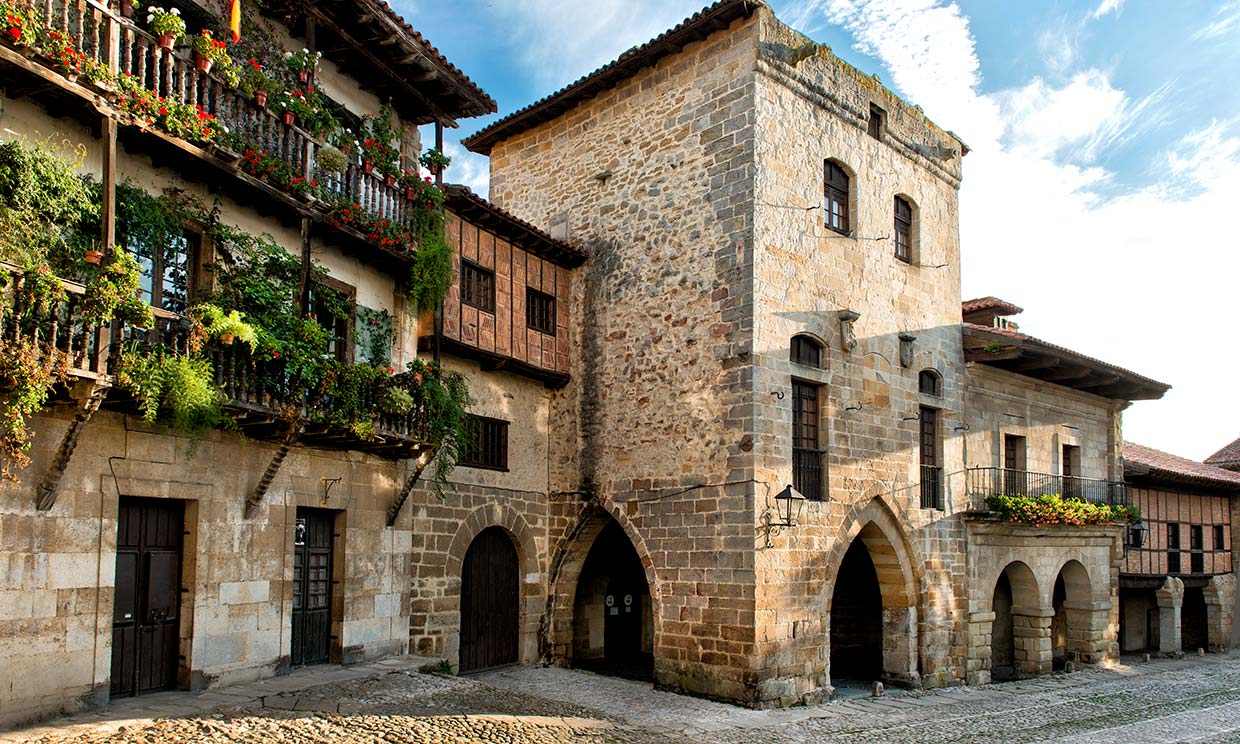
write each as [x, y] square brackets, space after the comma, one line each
[491, 468]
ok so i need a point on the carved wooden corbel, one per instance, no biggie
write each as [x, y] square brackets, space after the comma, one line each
[419, 465]
[290, 439]
[90, 395]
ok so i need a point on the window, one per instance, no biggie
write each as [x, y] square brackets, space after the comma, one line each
[1173, 547]
[806, 351]
[1196, 547]
[1219, 542]
[807, 471]
[835, 197]
[904, 230]
[477, 287]
[931, 470]
[929, 383]
[331, 305]
[1070, 468]
[876, 122]
[167, 271]
[485, 443]
[1015, 480]
[539, 311]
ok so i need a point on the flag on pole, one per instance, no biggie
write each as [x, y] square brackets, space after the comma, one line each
[234, 19]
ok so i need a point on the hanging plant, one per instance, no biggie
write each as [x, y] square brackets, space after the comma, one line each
[255, 83]
[167, 24]
[212, 54]
[435, 161]
[115, 293]
[330, 160]
[225, 327]
[28, 372]
[178, 389]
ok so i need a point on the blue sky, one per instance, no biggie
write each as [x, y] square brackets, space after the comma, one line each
[1101, 191]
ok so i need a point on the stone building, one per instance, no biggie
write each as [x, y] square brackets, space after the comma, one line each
[772, 298]
[1178, 586]
[136, 558]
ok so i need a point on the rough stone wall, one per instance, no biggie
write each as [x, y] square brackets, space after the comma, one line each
[655, 178]
[810, 109]
[56, 599]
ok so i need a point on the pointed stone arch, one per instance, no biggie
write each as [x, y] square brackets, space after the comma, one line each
[876, 527]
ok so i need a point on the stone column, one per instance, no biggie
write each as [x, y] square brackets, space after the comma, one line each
[1031, 627]
[1220, 596]
[900, 646]
[1087, 631]
[1170, 598]
[977, 665]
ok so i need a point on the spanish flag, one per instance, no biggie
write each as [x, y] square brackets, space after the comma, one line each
[234, 19]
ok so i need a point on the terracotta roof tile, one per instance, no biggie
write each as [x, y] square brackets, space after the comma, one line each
[990, 303]
[1229, 455]
[1149, 462]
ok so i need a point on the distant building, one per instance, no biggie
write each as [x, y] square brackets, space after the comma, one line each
[1227, 458]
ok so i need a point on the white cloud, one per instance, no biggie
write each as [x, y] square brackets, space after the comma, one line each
[468, 169]
[557, 41]
[1226, 20]
[1131, 278]
[1108, 6]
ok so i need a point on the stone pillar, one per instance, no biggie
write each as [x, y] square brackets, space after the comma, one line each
[1034, 652]
[900, 646]
[1087, 631]
[1220, 596]
[1170, 598]
[977, 665]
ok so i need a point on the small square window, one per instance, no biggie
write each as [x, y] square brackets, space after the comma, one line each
[485, 443]
[477, 287]
[539, 311]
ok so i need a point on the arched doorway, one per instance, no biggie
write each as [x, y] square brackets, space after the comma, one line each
[1016, 589]
[873, 615]
[613, 621]
[490, 601]
[1193, 626]
[1075, 618]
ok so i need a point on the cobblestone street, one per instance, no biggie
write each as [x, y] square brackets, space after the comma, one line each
[1192, 700]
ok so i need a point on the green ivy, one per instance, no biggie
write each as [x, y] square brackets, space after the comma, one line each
[178, 389]
[374, 335]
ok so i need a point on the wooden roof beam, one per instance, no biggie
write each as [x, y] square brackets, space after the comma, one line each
[1068, 374]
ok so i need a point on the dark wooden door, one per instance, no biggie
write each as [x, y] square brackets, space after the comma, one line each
[490, 602]
[312, 586]
[146, 617]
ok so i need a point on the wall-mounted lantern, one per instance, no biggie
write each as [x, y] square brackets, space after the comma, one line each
[788, 505]
[1136, 534]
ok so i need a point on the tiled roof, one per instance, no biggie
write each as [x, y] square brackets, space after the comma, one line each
[1148, 462]
[990, 303]
[696, 27]
[1229, 455]
[471, 207]
[1003, 346]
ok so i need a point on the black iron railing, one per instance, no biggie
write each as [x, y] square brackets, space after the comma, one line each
[807, 472]
[982, 483]
[931, 487]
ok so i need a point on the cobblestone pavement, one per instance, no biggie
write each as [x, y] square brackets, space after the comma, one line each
[1191, 700]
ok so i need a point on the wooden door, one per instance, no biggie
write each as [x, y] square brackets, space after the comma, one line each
[490, 602]
[146, 616]
[312, 586]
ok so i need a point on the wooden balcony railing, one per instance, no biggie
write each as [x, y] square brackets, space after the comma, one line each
[112, 41]
[984, 482]
[259, 390]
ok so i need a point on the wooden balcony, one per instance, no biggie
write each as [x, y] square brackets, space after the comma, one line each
[261, 397]
[116, 43]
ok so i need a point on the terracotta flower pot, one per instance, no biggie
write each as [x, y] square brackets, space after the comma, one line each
[167, 41]
[303, 76]
[126, 8]
[227, 338]
[411, 194]
[390, 181]
[203, 63]
[260, 98]
[345, 149]
[94, 257]
[368, 166]
[288, 118]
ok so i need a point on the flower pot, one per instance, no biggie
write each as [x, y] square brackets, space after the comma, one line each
[288, 118]
[434, 169]
[260, 98]
[303, 76]
[368, 166]
[411, 194]
[227, 338]
[390, 181]
[167, 41]
[203, 63]
[126, 8]
[94, 258]
[345, 150]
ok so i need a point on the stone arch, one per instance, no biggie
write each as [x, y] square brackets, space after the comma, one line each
[876, 527]
[1020, 626]
[556, 632]
[518, 530]
[1079, 619]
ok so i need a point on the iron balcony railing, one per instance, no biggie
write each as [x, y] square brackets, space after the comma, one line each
[931, 487]
[982, 483]
[252, 384]
[807, 474]
[104, 37]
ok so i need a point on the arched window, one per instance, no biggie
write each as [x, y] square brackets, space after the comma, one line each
[835, 197]
[904, 230]
[806, 351]
[929, 383]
